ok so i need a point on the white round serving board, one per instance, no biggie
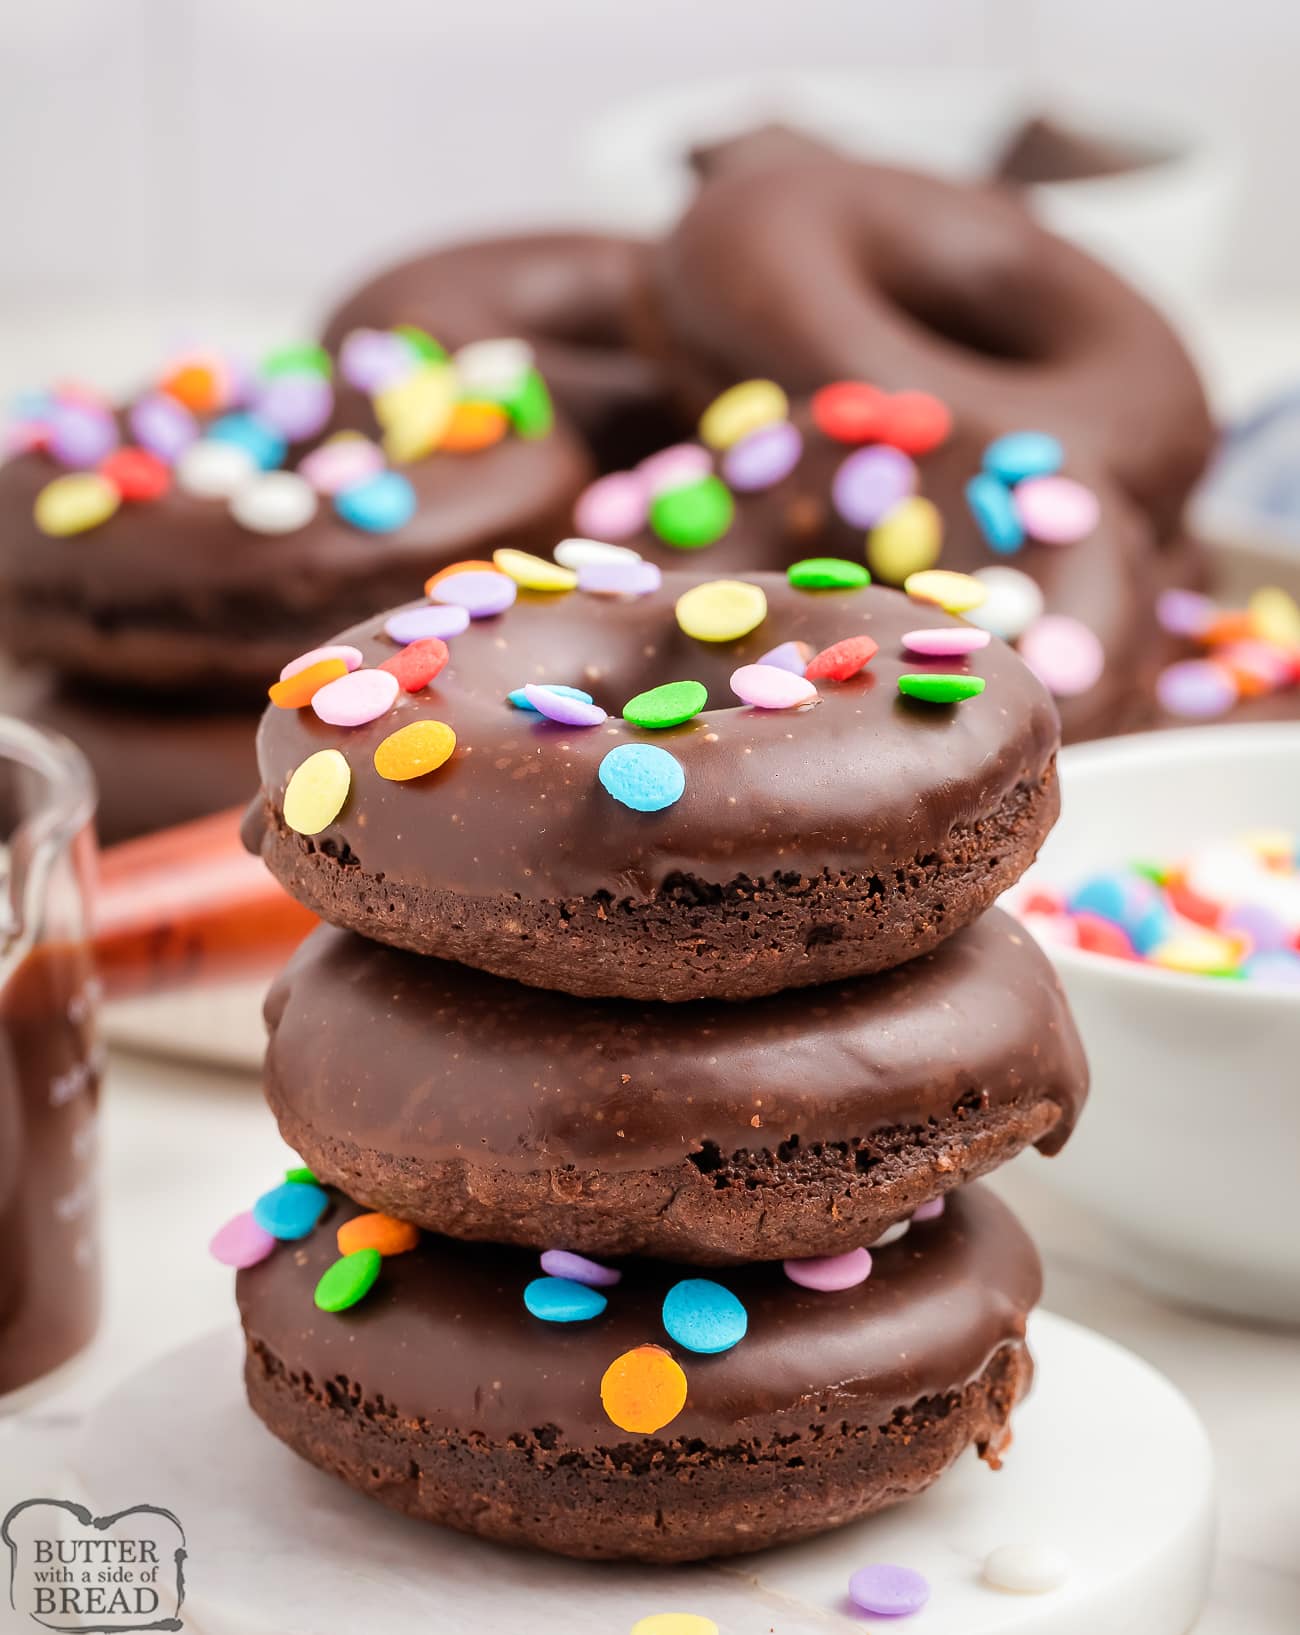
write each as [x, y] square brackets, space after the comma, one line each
[1109, 1463]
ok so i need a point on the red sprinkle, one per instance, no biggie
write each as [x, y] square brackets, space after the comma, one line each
[1183, 900]
[850, 411]
[842, 660]
[136, 474]
[915, 422]
[1100, 936]
[416, 666]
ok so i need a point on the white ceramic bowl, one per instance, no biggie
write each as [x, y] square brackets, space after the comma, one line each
[1188, 1151]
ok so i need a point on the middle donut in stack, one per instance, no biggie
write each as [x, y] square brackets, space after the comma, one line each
[626, 788]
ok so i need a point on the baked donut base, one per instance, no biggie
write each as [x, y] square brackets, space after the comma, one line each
[691, 940]
[677, 1501]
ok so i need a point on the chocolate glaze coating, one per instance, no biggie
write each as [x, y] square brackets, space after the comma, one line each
[571, 295]
[850, 270]
[444, 1338]
[175, 593]
[517, 820]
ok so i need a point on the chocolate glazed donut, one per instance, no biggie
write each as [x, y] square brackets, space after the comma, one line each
[571, 295]
[800, 264]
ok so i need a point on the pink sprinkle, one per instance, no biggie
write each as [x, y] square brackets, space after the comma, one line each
[570, 712]
[1056, 510]
[930, 1211]
[674, 467]
[792, 656]
[829, 1273]
[354, 699]
[947, 641]
[578, 1269]
[241, 1242]
[619, 578]
[481, 592]
[341, 463]
[417, 624]
[351, 656]
[613, 508]
[1063, 653]
[770, 687]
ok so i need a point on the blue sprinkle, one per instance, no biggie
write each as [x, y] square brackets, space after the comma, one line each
[703, 1316]
[520, 702]
[258, 440]
[1129, 901]
[1022, 454]
[379, 505]
[993, 508]
[291, 1210]
[643, 776]
[558, 1300]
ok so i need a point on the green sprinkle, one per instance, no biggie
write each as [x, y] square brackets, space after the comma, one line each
[666, 706]
[421, 343]
[527, 403]
[694, 515]
[303, 1174]
[303, 359]
[941, 689]
[827, 573]
[348, 1280]
[1157, 873]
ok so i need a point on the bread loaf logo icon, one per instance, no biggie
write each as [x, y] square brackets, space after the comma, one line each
[75, 1573]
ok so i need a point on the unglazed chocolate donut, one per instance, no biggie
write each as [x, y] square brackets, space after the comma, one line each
[571, 295]
[799, 264]
[715, 1133]
[176, 592]
[441, 1396]
[799, 845]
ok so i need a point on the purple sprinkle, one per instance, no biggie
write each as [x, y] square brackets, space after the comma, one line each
[675, 467]
[1198, 688]
[80, 436]
[480, 591]
[163, 426]
[371, 359]
[931, 1210]
[828, 1274]
[414, 624]
[888, 1591]
[1267, 931]
[557, 706]
[298, 405]
[792, 656]
[613, 507]
[1185, 612]
[762, 459]
[1276, 966]
[620, 578]
[241, 1242]
[870, 483]
[578, 1269]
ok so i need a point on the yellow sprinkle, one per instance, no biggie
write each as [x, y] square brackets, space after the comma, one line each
[953, 592]
[741, 410]
[413, 750]
[675, 1623]
[315, 793]
[1275, 616]
[908, 540]
[723, 610]
[415, 412]
[75, 502]
[1272, 845]
[533, 572]
[1202, 952]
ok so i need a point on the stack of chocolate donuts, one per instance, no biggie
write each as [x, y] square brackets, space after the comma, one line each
[659, 1021]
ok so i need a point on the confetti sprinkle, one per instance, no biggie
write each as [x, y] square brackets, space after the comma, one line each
[74, 503]
[493, 366]
[412, 751]
[763, 459]
[278, 502]
[843, 659]
[519, 698]
[792, 656]
[643, 777]
[849, 411]
[534, 572]
[666, 706]
[931, 1210]
[262, 443]
[414, 624]
[827, 573]
[940, 689]
[1021, 454]
[381, 504]
[1063, 653]
[301, 687]
[612, 508]
[742, 410]
[871, 483]
[296, 405]
[415, 411]
[241, 1242]
[563, 707]
[953, 592]
[888, 1591]
[703, 1316]
[1056, 510]
[291, 1210]
[994, 510]
[80, 435]
[907, 541]
[382, 1233]
[214, 470]
[915, 422]
[677, 466]
[482, 595]
[643, 1390]
[348, 1280]
[474, 426]
[1012, 601]
[620, 578]
[136, 474]
[769, 687]
[163, 426]
[721, 610]
[418, 664]
[945, 641]
[349, 655]
[316, 791]
[578, 1269]
[341, 462]
[1196, 689]
[581, 553]
[695, 516]
[1025, 1569]
[560, 1300]
[829, 1273]
[356, 698]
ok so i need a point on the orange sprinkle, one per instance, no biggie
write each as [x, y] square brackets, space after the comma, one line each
[1229, 627]
[297, 690]
[196, 386]
[458, 567]
[413, 750]
[643, 1390]
[473, 426]
[382, 1232]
